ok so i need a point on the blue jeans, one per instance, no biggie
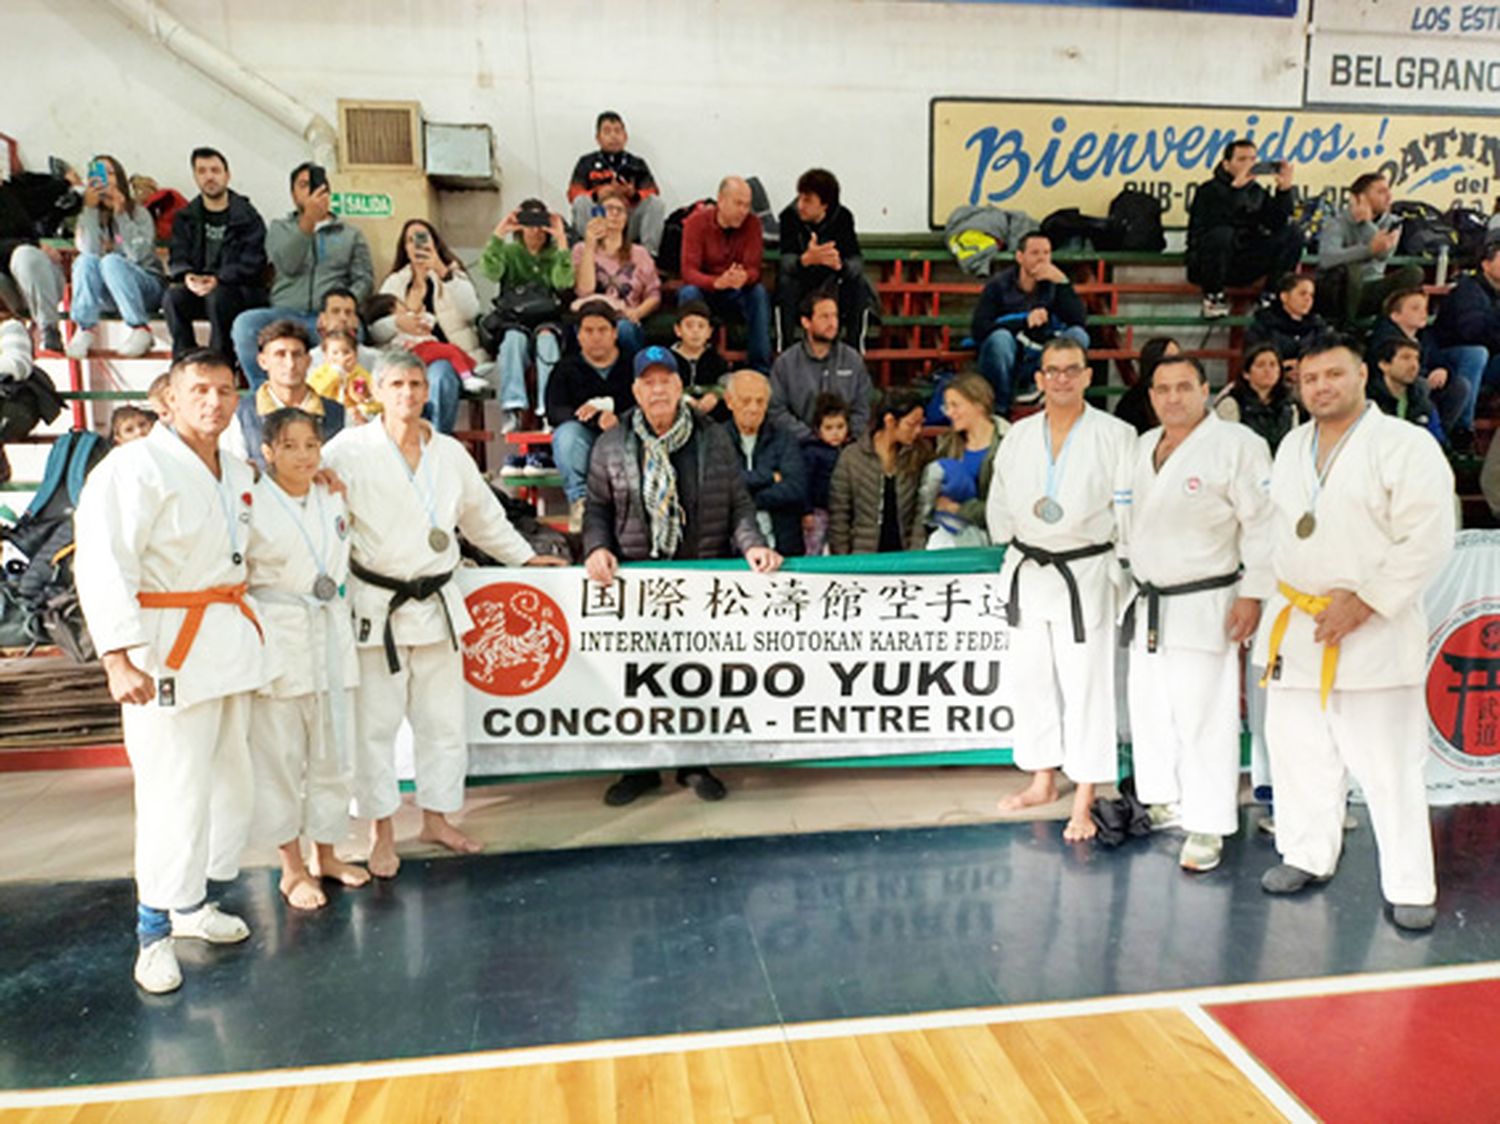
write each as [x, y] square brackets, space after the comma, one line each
[515, 355]
[247, 326]
[572, 442]
[752, 305]
[1474, 367]
[630, 336]
[113, 282]
[1005, 363]
[443, 385]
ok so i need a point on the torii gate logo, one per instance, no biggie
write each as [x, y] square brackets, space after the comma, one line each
[1463, 693]
[519, 642]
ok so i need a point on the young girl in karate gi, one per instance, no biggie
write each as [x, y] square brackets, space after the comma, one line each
[302, 724]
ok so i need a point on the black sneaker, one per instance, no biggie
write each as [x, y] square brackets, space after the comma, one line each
[52, 338]
[703, 783]
[1462, 442]
[631, 786]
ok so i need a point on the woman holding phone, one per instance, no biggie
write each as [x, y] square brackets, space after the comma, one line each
[608, 266]
[116, 268]
[429, 281]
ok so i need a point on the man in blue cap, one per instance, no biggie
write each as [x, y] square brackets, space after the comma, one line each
[666, 483]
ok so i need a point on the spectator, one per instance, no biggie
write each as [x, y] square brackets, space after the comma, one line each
[284, 351]
[702, 367]
[830, 437]
[429, 281]
[611, 164]
[1489, 478]
[957, 484]
[1289, 321]
[217, 260]
[820, 364]
[1396, 386]
[1260, 396]
[129, 423]
[156, 397]
[1134, 405]
[667, 484]
[721, 258]
[116, 267]
[1454, 396]
[1468, 324]
[339, 312]
[343, 378]
[389, 323]
[1020, 309]
[1354, 251]
[819, 250]
[312, 251]
[531, 269]
[775, 474]
[873, 494]
[588, 392]
[1237, 230]
[608, 266]
[31, 276]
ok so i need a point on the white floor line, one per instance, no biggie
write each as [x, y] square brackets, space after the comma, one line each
[753, 1036]
[1246, 1062]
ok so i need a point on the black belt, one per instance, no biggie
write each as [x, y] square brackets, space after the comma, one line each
[1154, 594]
[418, 589]
[1060, 559]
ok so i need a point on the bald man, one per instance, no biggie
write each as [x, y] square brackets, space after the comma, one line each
[774, 470]
[722, 246]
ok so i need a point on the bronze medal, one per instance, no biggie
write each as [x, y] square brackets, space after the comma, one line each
[1307, 525]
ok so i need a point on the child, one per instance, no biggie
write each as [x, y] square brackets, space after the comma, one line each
[390, 322]
[302, 724]
[128, 423]
[831, 424]
[156, 396]
[341, 377]
[702, 367]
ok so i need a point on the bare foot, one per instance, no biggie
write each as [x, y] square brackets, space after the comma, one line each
[383, 861]
[437, 829]
[301, 892]
[1080, 823]
[1041, 790]
[326, 864]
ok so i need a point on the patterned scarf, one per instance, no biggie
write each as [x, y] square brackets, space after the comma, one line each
[659, 479]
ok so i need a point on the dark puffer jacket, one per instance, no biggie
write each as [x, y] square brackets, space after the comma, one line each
[710, 485]
[856, 495]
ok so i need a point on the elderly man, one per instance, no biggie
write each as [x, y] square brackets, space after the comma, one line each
[722, 246]
[665, 483]
[162, 532]
[1200, 558]
[1363, 521]
[820, 363]
[409, 488]
[774, 471]
[284, 353]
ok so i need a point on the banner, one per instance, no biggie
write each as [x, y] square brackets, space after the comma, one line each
[1282, 9]
[1463, 674]
[671, 666]
[1040, 156]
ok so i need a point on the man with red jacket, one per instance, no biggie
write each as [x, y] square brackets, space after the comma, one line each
[722, 246]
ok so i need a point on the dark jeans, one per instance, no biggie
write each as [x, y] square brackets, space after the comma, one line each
[794, 283]
[1224, 256]
[181, 306]
[752, 304]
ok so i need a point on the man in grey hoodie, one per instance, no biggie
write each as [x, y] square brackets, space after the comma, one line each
[1354, 250]
[312, 251]
[820, 363]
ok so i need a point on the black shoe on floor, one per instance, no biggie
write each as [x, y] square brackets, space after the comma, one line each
[1462, 442]
[52, 338]
[631, 786]
[701, 781]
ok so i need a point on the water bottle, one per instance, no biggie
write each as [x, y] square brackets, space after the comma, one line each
[1442, 265]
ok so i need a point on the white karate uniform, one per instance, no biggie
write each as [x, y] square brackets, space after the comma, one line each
[1065, 691]
[393, 511]
[152, 518]
[1385, 526]
[1206, 513]
[302, 723]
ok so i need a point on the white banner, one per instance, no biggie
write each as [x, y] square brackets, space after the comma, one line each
[1463, 674]
[693, 666]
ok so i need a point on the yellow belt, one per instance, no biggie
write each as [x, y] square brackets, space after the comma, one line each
[1312, 606]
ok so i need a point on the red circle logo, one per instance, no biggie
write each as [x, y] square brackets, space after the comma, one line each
[519, 642]
[1463, 688]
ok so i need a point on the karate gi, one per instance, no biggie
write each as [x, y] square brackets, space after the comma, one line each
[1385, 526]
[1202, 517]
[1064, 687]
[394, 509]
[153, 523]
[302, 723]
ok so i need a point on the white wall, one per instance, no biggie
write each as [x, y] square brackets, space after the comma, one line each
[706, 87]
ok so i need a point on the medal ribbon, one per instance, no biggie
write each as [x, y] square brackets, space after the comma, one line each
[1320, 477]
[425, 491]
[1056, 466]
[318, 554]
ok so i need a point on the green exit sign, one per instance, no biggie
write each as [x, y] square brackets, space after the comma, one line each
[363, 205]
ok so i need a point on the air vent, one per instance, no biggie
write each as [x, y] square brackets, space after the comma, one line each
[380, 134]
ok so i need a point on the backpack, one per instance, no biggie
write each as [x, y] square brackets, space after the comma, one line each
[669, 255]
[45, 531]
[1424, 229]
[25, 403]
[1139, 218]
[1473, 230]
[1310, 216]
[1068, 229]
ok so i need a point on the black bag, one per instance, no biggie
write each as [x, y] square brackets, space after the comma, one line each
[1473, 231]
[669, 255]
[26, 402]
[1424, 229]
[1068, 229]
[1121, 819]
[1139, 218]
[526, 307]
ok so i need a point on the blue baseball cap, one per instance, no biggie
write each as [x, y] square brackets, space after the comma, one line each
[655, 356]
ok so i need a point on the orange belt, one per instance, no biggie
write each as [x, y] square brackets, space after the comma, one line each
[1312, 606]
[195, 602]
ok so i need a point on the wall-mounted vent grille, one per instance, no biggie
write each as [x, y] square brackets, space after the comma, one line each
[380, 134]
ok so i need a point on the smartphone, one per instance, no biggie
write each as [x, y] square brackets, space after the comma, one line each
[98, 173]
[596, 211]
[1266, 168]
[317, 177]
[421, 237]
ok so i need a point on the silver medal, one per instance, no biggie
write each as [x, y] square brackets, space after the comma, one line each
[1047, 509]
[438, 540]
[1307, 525]
[325, 588]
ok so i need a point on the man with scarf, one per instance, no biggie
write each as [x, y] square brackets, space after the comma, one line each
[666, 484]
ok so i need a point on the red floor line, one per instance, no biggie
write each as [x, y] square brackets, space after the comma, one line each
[73, 757]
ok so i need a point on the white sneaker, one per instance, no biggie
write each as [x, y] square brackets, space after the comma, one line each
[510, 420]
[156, 968]
[1164, 817]
[1201, 851]
[209, 923]
[474, 384]
[137, 343]
[575, 515]
[81, 344]
[1215, 307]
